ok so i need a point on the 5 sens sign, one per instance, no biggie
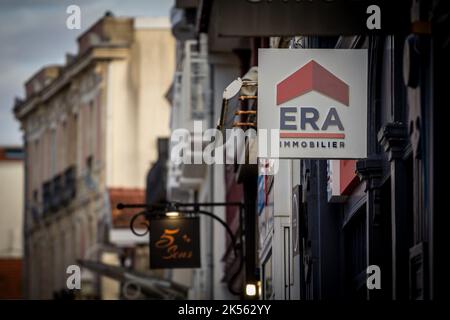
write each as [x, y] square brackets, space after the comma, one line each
[316, 100]
[174, 243]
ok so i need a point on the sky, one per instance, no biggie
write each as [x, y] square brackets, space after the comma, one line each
[33, 33]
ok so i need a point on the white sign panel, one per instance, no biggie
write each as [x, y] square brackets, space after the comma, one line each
[314, 101]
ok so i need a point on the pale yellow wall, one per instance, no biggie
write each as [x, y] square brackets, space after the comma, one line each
[11, 212]
[110, 288]
[137, 111]
[135, 114]
[157, 56]
[120, 128]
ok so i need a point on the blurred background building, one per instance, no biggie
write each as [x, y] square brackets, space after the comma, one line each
[11, 217]
[90, 134]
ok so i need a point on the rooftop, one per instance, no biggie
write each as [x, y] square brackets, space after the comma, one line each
[11, 153]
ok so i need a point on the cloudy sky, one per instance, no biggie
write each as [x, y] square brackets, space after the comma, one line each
[33, 33]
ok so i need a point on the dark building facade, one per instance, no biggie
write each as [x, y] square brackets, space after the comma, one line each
[391, 218]
[387, 211]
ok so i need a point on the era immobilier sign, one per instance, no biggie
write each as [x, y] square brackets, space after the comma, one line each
[315, 101]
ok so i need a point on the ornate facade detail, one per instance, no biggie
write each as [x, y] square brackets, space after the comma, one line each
[392, 137]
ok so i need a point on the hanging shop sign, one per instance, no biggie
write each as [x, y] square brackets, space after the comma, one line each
[175, 243]
[314, 101]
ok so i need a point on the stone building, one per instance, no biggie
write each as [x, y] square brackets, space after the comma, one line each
[90, 128]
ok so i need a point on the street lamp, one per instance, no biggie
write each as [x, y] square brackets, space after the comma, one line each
[172, 212]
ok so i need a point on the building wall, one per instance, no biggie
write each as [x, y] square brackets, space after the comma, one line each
[155, 54]
[63, 132]
[11, 197]
[11, 217]
[104, 123]
[137, 111]
[224, 72]
[204, 183]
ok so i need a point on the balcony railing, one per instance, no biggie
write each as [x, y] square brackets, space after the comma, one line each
[69, 188]
[56, 193]
[59, 191]
[46, 197]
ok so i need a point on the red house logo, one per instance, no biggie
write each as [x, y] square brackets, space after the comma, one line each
[311, 77]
